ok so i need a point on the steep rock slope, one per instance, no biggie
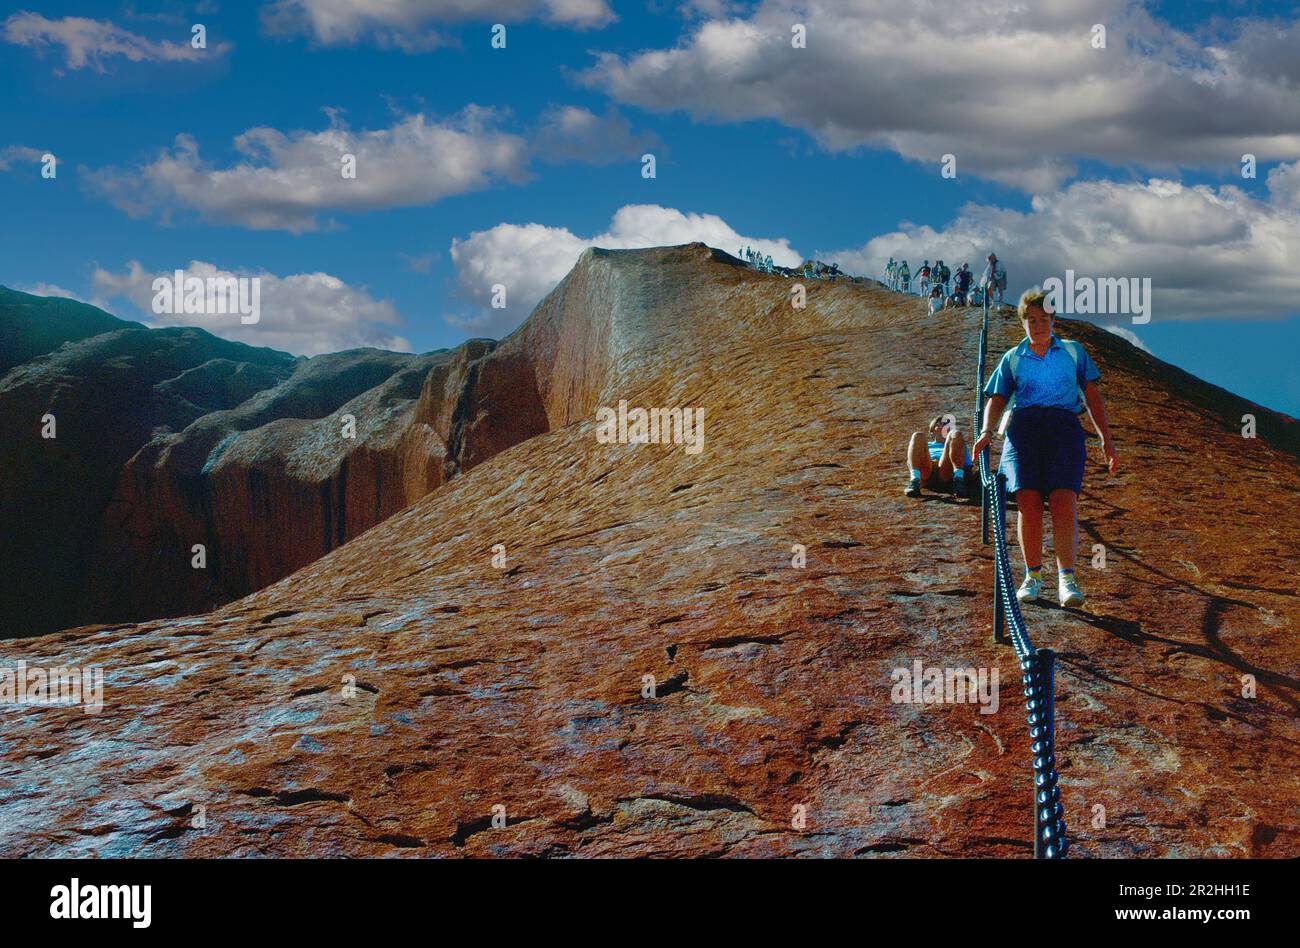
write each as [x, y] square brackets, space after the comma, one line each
[383, 700]
[168, 439]
[108, 395]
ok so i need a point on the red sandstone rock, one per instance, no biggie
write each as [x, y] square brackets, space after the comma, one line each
[171, 438]
[521, 686]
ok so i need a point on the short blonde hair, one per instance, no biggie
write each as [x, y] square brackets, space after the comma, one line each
[1034, 296]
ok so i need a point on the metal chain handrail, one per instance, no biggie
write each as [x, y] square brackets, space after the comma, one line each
[1036, 665]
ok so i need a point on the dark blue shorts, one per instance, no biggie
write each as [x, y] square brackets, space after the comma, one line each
[1044, 450]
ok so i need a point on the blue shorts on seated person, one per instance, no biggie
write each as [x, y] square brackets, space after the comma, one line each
[1044, 450]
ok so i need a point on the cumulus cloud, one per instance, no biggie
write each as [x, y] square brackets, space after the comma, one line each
[403, 24]
[303, 313]
[1209, 252]
[286, 179]
[1015, 91]
[88, 43]
[1284, 185]
[529, 259]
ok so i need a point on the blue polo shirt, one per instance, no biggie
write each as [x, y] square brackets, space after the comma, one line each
[1050, 381]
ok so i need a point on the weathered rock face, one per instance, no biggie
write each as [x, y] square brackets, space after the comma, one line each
[266, 486]
[108, 396]
[384, 699]
[171, 438]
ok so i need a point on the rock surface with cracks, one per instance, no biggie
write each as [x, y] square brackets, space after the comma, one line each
[384, 699]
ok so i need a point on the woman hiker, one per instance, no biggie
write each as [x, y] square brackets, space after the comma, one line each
[1044, 452]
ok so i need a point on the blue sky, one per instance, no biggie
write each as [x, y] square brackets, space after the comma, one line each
[831, 151]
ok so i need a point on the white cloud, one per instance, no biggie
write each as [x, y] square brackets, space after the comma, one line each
[1129, 335]
[87, 43]
[14, 154]
[1014, 91]
[530, 259]
[402, 24]
[1209, 252]
[303, 313]
[286, 179]
[1284, 185]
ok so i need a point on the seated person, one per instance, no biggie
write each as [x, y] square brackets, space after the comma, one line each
[936, 300]
[940, 461]
[977, 295]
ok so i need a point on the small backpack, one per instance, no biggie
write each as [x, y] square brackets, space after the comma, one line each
[1075, 349]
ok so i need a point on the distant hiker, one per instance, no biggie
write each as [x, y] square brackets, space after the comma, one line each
[961, 282]
[904, 277]
[936, 299]
[943, 274]
[769, 265]
[889, 273]
[995, 278]
[923, 277]
[1046, 382]
[940, 461]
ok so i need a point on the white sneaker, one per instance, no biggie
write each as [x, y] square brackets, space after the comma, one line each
[1029, 589]
[1071, 594]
